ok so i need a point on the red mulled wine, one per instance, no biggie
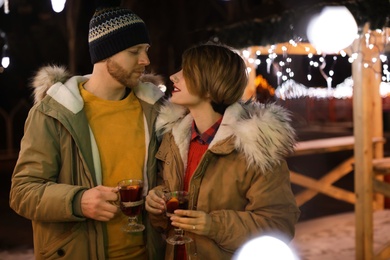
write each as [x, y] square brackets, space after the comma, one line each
[131, 199]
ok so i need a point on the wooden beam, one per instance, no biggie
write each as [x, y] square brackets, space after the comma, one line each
[329, 190]
[333, 176]
[382, 187]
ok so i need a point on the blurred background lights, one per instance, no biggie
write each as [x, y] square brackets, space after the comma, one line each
[57, 5]
[162, 87]
[332, 30]
[5, 62]
[265, 248]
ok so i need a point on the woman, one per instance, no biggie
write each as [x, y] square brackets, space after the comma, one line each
[227, 154]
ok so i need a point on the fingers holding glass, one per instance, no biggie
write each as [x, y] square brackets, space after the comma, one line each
[155, 203]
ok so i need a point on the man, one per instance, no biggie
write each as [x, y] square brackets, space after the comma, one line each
[82, 136]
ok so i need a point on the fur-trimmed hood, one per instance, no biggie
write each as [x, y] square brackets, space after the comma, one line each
[262, 132]
[57, 82]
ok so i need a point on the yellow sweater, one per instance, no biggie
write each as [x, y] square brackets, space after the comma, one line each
[118, 127]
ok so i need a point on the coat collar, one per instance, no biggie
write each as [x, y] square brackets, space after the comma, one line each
[56, 82]
[261, 132]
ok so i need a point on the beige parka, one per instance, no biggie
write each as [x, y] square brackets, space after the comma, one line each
[59, 160]
[242, 180]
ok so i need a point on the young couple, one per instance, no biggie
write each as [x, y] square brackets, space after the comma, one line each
[85, 133]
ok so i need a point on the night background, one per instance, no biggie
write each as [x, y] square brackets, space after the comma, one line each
[37, 36]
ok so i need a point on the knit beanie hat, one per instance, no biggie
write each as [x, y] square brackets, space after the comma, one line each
[113, 29]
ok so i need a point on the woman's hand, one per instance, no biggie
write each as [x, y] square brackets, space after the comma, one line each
[194, 221]
[154, 202]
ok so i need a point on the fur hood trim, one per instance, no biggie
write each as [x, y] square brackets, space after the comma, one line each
[57, 82]
[262, 132]
[45, 78]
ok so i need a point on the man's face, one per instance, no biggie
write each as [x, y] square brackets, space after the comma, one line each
[128, 65]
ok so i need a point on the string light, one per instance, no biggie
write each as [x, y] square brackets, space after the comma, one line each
[5, 59]
[58, 5]
[278, 57]
[6, 7]
[372, 44]
[246, 54]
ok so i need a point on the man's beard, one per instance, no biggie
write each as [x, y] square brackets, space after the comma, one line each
[120, 74]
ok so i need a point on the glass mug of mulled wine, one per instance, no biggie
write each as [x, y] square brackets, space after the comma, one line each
[131, 202]
[176, 200]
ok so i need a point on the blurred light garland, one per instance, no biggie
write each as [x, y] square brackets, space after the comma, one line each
[5, 59]
[288, 25]
[288, 88]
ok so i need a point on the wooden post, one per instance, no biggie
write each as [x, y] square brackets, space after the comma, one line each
[367, 115]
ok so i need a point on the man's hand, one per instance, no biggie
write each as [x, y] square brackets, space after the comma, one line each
[95, 203]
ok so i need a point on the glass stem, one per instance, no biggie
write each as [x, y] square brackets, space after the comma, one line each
[179, 232]
[132, 220]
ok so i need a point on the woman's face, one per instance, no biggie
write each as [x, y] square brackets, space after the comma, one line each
[180, 94]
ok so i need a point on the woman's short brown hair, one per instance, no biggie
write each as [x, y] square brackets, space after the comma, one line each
[215, 71]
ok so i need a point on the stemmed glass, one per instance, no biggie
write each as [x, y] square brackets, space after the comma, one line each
[130, 193]
[176, 200]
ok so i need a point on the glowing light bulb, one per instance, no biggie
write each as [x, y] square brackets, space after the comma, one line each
[332, 30]
[245, 53]
[5, 61]
[266, 248]
[162, 87]
[58, 5]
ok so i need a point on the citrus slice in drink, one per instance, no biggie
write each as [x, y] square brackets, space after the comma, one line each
[172, 205]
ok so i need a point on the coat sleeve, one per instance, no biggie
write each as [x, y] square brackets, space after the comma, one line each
[271, 210]
[35, 193]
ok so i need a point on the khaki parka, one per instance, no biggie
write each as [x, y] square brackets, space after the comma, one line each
[242, 180]
[59, 160]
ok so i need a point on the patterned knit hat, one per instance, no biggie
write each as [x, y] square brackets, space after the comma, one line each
[113, 29]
